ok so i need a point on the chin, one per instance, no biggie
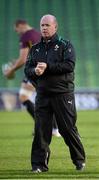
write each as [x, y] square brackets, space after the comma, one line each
[46, 37]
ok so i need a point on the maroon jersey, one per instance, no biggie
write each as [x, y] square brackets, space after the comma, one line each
[29, 38]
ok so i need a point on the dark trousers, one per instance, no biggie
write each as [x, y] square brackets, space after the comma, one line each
[54, 123]
[63, 106]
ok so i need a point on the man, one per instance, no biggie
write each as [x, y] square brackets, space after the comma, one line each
[28, 37]
[51, 62]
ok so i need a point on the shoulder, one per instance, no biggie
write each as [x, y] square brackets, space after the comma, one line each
[64, 43]
[67, 46]
[35, 31]
[29, 34]
[23, 36]
[35, 46]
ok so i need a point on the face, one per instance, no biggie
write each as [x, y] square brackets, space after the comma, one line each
[19, 29]
[48, 27]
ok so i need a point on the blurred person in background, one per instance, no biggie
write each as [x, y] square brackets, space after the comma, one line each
[28, 36]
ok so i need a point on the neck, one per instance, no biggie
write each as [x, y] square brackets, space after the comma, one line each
[47, 39]
[27, 28]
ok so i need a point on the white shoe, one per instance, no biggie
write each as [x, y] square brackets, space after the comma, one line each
[55, 132]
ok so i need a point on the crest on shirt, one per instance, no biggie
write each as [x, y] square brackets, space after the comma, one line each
[56, 47]
[69, 50]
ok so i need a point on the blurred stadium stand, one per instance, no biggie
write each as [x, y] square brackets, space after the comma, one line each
[78, 21]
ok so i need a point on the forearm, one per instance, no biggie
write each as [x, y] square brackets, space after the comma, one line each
[21, 60]
[29, 70]
[18, 64]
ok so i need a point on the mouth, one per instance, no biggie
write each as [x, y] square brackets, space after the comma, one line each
[45, 33]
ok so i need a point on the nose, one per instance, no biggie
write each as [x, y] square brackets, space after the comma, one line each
[44, 27]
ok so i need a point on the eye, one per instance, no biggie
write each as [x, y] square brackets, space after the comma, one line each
[42, 25]
[46, 25]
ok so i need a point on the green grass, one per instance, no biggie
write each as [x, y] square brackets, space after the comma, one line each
[15, 148]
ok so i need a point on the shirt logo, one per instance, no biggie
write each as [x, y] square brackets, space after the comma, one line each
[69, 102]
[56, 47]
[37, 50]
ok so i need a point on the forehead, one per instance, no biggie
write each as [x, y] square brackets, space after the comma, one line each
[47, 20]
